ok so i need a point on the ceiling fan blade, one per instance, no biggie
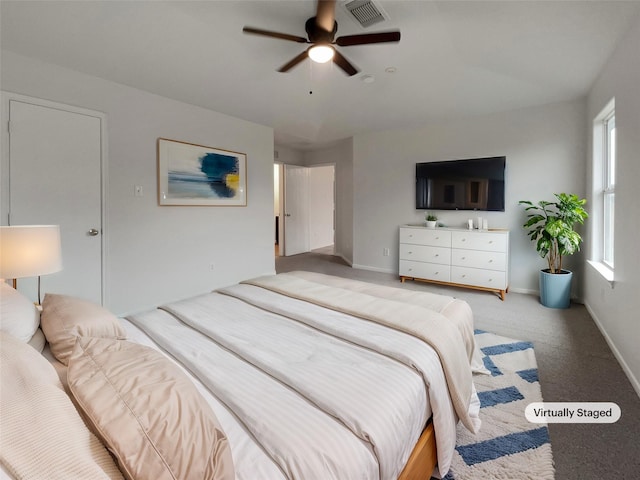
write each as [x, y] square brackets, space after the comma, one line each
[268, 33]
[292, 63]
[325, 15]
[344, 64]
[365, 38]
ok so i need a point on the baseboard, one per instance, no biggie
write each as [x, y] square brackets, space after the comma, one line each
[528, 291]
[374, 269]
[347, 261]
[616, 353]
[525, 291]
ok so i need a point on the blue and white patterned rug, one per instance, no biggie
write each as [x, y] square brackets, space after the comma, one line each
[508, 446]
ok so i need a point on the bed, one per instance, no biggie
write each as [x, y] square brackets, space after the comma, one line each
[298, 375]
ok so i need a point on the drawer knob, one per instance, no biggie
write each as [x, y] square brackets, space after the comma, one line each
[437, 254]
[491, 279]
[464, 239]
[464, 258]
[410, 253]
[490, 261]
[490, 241]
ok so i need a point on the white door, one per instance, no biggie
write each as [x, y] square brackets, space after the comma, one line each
[55, 178]
[296, 210]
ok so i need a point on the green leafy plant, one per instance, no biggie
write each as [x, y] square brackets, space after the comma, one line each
[551, 227]
[430, 217]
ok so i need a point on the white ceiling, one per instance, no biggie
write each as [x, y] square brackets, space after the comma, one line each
[456, 58]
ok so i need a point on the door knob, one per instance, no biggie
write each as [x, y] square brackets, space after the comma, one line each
[287, 214]
[93, 232]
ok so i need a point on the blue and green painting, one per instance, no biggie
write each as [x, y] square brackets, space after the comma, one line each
[212, 175]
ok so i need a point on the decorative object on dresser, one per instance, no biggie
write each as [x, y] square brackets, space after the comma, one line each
[551, 226]
[431, 220]
[460, 257]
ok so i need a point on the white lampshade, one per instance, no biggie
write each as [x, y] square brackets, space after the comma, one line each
[29, 251]
[321, 53]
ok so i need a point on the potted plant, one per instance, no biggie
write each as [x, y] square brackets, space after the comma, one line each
[431, 220]
[551, 227]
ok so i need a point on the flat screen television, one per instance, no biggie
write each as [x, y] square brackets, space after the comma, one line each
[470, 184]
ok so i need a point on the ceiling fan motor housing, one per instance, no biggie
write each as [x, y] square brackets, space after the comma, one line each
[317, 34]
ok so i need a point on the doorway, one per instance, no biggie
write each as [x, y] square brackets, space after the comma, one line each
[304, 207]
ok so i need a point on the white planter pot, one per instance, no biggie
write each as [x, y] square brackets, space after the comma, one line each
[431, 224]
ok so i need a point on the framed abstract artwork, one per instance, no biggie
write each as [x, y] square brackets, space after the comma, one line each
[190, 174]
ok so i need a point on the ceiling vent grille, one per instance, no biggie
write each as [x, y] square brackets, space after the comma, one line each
[365, 12]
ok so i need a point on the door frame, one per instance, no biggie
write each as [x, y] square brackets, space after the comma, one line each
[5, 209]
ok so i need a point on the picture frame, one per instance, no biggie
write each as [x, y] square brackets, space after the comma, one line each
[197, 175]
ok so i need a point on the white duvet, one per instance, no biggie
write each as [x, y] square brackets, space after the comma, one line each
[305, 392]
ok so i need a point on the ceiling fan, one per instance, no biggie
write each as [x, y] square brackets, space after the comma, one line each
[321, 31]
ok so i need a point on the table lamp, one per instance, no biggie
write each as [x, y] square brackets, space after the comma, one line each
[29, 251]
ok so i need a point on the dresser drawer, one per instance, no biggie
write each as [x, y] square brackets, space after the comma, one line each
[479, 259]
[480, 278]
[426, 236]
[494, 242]
[422, 253]
[427, 271]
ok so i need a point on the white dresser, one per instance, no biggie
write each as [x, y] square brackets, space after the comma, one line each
[467, 258]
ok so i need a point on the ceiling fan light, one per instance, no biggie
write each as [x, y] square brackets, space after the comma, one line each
[321, 53]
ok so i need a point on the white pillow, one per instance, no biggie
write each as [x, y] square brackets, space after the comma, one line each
[43, 435]
[18, 315]
[38, 340]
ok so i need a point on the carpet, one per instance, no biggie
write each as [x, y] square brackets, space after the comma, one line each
[508, 446]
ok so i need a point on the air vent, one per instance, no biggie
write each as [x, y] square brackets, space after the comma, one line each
[365, 12]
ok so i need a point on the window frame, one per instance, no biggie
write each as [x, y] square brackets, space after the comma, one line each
[609, 188]
[602, 256]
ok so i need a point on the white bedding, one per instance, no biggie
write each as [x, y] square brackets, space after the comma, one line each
[374, 420]
[303, 391]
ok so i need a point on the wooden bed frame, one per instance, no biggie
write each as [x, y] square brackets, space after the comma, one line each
[423, 458]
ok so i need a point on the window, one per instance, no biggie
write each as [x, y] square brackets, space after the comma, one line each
[603, 188]
[608, 190]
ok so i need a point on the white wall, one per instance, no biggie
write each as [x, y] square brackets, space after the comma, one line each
[156, 254]
[545, 148]
[288, 156]
[321, 205]
[616, 310]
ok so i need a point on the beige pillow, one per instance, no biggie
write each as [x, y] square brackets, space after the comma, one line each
[18, 315]
[66, 318]
[41, 433]
[148, 412]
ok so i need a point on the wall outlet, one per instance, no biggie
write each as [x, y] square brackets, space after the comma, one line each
[385, 252]
[137, 191]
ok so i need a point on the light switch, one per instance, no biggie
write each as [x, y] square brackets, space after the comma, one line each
[138, 191]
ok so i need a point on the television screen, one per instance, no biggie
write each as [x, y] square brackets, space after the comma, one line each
[470, 184]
